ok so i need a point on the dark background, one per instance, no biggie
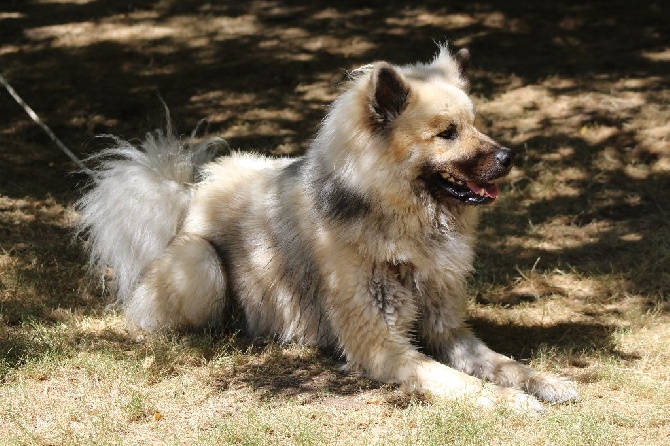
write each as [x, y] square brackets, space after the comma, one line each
[263, 72]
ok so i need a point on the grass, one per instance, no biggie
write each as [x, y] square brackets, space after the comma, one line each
[573, 261]
[93, 384]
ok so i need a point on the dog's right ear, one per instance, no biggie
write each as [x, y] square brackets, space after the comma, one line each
[389, 94]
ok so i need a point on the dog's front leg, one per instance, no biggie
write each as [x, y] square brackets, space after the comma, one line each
[462, 350]
[369, 315]
[384, 353]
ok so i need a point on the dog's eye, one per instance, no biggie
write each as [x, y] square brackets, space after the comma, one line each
[450, 133]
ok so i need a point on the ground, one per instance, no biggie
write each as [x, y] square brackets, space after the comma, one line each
[573, 265]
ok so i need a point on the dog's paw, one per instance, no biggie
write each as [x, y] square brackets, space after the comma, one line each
[521, 402]
[493, 396]
[551, 388]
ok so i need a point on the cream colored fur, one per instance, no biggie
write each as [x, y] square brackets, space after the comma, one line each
[358, 245]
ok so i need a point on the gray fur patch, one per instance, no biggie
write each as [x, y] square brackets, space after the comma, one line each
[299, 269]
[338, 202]
[382, 289]
[292, 170]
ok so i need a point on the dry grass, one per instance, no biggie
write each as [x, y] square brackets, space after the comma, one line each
[573, 265]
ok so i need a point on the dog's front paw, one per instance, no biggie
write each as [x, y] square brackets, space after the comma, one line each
[516, 400]
[551, 388]
[521, 402]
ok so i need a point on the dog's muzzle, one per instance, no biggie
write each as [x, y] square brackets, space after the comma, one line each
[473, 184]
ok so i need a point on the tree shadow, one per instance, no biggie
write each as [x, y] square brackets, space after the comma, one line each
[570, 338]
[275, 371]
[263, 72]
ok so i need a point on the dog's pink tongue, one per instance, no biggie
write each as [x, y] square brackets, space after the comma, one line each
[491, 190]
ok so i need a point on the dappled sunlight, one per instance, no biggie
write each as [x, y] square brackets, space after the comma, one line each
[145, 26]
[560, 233]
[588, 116]
[57, 2]
[11, 15]
[597, 152]
[535, 110]
[29, 210]
[573, 260]
[589, 122]
[657, 56]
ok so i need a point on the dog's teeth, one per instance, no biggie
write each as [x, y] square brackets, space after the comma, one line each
[447, 176]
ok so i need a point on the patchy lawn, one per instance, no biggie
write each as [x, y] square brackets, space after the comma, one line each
[573, 262]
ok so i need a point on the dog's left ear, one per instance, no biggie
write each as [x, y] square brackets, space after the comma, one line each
[389, 94]
[453, 66]
[462, 58]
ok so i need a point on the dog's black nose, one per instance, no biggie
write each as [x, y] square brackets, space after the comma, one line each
[505, 157]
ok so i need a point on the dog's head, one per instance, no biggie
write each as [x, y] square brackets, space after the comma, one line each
[423, 116]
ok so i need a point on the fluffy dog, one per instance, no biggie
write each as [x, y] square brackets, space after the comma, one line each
[363, 244]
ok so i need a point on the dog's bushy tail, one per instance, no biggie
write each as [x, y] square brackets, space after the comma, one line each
[135, 205]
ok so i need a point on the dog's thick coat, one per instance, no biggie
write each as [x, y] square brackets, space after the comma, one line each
[363, 244]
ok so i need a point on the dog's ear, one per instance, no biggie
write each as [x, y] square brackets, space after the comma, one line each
[453, 67]
[462, 58]
[389, 94]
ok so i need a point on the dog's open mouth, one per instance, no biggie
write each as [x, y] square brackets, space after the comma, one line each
[466, 191]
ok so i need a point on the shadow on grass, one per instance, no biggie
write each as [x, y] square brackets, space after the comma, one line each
[272, 371]
[522, 342]
[95, 67]
[263, 73]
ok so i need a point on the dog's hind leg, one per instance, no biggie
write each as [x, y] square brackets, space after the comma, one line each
[183, 288]
[462, 350]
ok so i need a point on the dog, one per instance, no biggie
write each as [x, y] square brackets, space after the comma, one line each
[364, 244]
